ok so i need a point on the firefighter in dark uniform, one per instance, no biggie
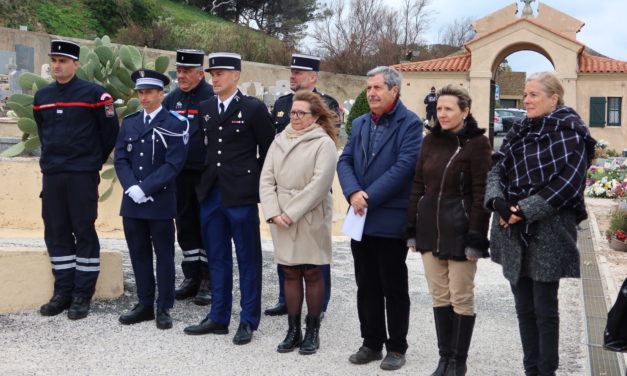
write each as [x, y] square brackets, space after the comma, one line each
[192, 89]
[238, 132]
[303, 76]
[77, 127]
[149, 153]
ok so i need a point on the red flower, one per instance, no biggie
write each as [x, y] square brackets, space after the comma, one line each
[620, 235]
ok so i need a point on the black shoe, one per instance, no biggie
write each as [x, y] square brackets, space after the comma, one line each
[187, 289]
[56, 305]
[244, 334]
[311, 342]
[203, 297]
[365, 355]
[138, 314]
[393, 361]
[294, 335]
[207, 326]
[79, 309]
[164, 321]
[278, 310]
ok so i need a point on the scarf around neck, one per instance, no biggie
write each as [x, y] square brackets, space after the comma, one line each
[293, 133]
[549, 156]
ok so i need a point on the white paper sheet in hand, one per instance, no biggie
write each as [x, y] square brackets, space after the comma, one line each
[354, 224]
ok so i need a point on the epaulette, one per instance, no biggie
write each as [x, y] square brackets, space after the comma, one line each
[177, 115]
[286, 95]
[133, 114]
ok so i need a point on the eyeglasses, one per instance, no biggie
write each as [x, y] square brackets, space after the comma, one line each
[298, 114]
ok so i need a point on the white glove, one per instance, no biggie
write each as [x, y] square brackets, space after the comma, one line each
[136, 194]
[145, 199]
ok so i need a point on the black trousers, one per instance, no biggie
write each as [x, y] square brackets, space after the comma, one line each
[69, 202]
[382, 292]
[142, 236]
[188, 232]
[538, 322]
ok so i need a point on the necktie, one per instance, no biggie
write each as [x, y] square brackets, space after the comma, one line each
[147, 121]
[221, 108]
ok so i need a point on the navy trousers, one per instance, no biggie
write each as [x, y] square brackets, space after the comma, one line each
[538, 322]
[188, 230]
[69, 210]
[241, 225]
[326, 275]
[142, 235]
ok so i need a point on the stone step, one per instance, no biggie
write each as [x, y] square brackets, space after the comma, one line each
[26, 280]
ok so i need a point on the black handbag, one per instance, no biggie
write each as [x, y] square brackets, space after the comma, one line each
[615, 335]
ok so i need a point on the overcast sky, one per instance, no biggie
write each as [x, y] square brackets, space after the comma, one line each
[605, 28]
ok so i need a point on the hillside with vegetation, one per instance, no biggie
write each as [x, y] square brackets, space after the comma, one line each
[164, 24]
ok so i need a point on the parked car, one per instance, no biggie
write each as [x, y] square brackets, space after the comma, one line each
[504, 118]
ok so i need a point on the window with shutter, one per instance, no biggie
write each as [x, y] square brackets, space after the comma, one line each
[613, 110]
[597, 111]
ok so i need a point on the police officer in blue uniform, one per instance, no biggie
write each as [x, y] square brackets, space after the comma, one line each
[77, 127]
[149, 153]
[303, 76]
[238, 131]
[184, 100]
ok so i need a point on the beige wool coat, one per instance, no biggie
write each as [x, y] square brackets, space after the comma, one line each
[296, 179]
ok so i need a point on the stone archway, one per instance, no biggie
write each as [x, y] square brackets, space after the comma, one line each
[517, 47]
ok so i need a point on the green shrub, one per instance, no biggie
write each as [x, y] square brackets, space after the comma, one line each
[359, 108]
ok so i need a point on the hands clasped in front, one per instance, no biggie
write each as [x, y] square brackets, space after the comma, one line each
[506, 212]
[137, 195]
[282, 220]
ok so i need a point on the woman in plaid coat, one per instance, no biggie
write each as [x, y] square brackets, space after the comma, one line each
[535, 188]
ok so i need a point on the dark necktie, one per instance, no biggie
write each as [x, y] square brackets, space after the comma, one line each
[147, 121]
[221, 109]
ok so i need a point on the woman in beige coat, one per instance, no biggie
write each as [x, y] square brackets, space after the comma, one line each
[295, 192]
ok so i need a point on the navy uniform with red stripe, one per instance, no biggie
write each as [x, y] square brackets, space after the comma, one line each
[185, 103]
[77, 127]
[149, 153]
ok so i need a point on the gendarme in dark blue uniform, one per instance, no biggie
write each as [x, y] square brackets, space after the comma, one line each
[149, 153]
[237, 142]
[77, 127]
[283, 106]
[184, 100]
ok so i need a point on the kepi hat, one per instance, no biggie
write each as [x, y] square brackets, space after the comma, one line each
[224, 60]
[305, 62]
[149, 79]
[65, 48]
[189, 58]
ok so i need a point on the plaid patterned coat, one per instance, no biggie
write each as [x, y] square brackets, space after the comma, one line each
[542, 168]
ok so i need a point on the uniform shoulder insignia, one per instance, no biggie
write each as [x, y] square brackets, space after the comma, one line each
[178, 116]
[133, 114]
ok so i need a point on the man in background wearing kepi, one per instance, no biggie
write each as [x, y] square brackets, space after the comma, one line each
[184, 100]
[303, 76]
[77, 127]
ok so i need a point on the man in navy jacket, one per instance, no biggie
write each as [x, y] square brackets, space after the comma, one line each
[149, 154]
[375, 172]
[77, 127]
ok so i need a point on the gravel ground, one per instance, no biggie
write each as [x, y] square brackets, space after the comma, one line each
[98, 345]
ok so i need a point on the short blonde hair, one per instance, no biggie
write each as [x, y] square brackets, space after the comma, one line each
[551, 85]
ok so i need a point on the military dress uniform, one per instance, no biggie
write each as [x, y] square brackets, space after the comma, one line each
[188, 231]
[150, 154]
[237, 142]
[77, 126]
[281, 118]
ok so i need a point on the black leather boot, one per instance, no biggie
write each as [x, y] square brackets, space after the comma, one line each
[294, 335]
[443, 327]
[187, 289]
[203, 296]
[463, 326]
[311, 342]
